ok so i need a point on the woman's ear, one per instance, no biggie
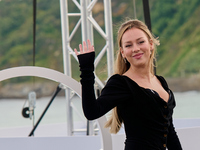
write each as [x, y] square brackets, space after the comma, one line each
[122, 52]
[151, 44]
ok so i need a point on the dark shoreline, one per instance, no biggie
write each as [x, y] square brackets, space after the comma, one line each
[183, 84]
[43, 89]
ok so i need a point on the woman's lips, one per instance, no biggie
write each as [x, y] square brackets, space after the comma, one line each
[138, 56]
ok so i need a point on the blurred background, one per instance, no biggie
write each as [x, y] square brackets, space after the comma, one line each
[175, 22]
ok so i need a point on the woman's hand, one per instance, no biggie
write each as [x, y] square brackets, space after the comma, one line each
[85, 49]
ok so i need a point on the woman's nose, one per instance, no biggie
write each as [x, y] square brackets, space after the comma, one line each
[135, 48]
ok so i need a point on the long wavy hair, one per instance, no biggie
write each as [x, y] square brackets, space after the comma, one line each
[115, 121]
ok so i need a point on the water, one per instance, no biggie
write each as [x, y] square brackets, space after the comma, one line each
[187, 107]
[11, 109]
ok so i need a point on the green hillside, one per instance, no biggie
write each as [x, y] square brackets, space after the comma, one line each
[179, 31]
[176, 22]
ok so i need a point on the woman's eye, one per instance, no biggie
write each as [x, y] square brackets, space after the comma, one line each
[141, 42]
[128, 46]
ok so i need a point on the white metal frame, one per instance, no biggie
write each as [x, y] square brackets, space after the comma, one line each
[87, 23]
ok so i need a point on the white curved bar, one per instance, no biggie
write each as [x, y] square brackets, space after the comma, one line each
[43, 73]
[61, 78]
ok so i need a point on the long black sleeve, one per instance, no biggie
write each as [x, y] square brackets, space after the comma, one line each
[86, 62]
[114, 93]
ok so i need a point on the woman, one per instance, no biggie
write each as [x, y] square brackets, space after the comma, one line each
[139, 99]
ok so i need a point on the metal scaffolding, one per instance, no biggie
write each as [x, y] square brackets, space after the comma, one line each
[88, 24]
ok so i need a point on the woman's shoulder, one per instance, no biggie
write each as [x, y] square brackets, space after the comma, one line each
[114, 78]
[160, 77]
[116, 84]
[121, 80]
[162, 80]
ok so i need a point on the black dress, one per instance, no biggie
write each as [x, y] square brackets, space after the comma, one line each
[147, 118]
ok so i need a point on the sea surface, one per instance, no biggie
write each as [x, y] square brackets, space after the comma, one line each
[187, 107]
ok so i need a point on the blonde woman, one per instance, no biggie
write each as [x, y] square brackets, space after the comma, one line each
[140, 100]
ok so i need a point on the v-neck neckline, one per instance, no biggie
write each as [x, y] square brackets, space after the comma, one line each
[162, 84]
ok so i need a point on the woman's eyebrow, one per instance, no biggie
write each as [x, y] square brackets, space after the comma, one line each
[136, 40]
[127, 42]
[139, 38]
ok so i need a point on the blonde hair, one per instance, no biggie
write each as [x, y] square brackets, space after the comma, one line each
[115, 122]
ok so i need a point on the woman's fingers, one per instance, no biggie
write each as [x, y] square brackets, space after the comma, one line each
[76, 52]
[80, 48]
[84, 48]
[90, 46]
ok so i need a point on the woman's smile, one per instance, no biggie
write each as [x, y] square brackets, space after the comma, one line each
[138, 56]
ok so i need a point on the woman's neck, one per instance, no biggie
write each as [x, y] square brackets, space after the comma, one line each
[139, 74]
[141, 77]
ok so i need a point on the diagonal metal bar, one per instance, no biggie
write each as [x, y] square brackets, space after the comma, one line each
[97, 27]
[74, 30]
[58, 89]
[77, 4]
[98, 81]
[91, 5]
[100, 55]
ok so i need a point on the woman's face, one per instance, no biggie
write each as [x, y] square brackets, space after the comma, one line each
[136, 47]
